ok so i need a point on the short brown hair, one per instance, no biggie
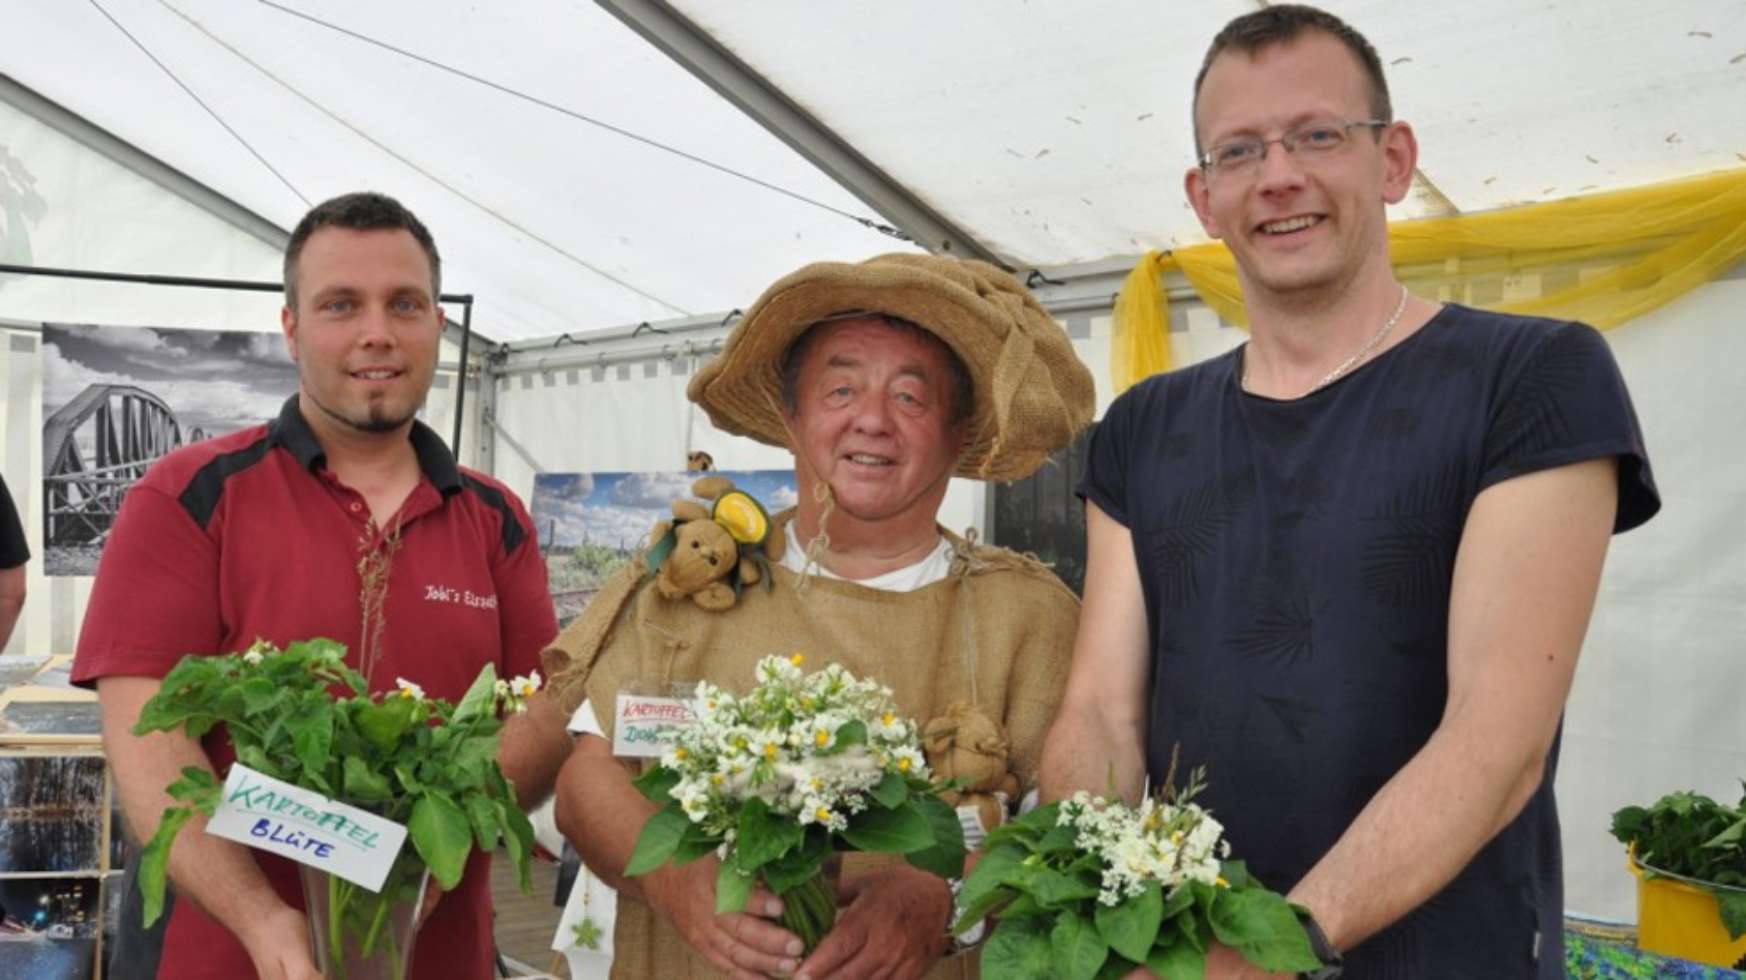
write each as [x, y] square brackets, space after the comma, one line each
[1288, 22]
[360, 211]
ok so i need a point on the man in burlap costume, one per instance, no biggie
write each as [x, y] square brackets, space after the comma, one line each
[884, 378]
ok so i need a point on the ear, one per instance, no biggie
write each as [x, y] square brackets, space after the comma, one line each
[1400, 160]
[1199, 195]
[288, 324]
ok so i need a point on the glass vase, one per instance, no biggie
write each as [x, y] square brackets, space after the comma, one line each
[358, 934]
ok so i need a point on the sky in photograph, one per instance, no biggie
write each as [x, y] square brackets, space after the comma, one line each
[618, 509]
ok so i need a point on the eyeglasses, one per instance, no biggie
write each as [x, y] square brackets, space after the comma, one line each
[1318, 138]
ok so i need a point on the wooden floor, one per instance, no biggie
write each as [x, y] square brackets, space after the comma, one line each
[525, 923]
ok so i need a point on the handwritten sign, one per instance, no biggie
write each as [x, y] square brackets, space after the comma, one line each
[269, 815]
[642, 721]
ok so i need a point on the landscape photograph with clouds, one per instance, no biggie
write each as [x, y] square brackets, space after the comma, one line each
[591, 523]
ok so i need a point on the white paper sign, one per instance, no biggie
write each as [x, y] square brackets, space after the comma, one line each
[269, 815]
[641, 720]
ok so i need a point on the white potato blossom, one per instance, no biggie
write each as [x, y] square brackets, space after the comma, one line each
[1165, 842]
[812, 747]
[408, 689]
[257, 651]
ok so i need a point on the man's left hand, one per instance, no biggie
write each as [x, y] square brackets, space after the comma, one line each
[892, 924]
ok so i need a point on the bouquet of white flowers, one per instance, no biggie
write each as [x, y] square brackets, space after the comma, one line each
[1092, 888]
[775, 781]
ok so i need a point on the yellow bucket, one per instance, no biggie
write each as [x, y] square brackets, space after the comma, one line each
[1677, 919]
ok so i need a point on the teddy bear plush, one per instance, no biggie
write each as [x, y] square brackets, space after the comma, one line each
[708, 554]
[966, 745]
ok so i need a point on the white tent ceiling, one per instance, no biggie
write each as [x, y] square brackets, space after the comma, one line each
[1058, 133]
[1052, 134]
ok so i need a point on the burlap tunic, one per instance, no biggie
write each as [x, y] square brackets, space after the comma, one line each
[997, 631]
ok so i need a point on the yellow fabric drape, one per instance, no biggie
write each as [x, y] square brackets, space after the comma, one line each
[1666, 239]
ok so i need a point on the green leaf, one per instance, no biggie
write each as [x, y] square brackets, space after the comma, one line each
[442, 837]
[988, 902]
[656, 783]
[1018, 950]
[1078, 949]
[1237, 876]
[798, 865]
[892, 790]
[1730, 836]
[472, 758]
[383, 724]
[1262, 926]
[255, 758]
[154, 861]
[518, 838]
[1177, 961]
[763, 837]
[1116, 967]
[1189, 924]
[1060, 839]
[363, 784]
[658, 840]
[1131, 927]
[852, 732]
[311, 725]
[482, 814]
[1025, 907]
[990, 872]
[408, 779]
[1733, 908]
[898, 831]
[198, 786]
[696, 843]
[1180, 899]
[732, 889]
[480, 699]
[1056, 890]
[945, 856]
[260, 694]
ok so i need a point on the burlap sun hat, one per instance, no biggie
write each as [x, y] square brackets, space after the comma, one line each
[1032, 394]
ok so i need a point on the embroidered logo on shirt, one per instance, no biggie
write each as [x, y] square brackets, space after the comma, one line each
[464, 597]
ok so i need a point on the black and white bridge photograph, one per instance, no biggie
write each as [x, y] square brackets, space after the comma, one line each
[115, 399]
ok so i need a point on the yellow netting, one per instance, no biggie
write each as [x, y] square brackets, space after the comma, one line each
[1648, 246]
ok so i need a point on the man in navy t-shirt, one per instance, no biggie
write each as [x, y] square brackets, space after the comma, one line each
[14, 552]
[1348, 566]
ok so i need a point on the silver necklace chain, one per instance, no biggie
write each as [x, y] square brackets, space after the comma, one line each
[1350, 362]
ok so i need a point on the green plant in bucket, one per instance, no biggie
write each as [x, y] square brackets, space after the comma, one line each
[418, 761]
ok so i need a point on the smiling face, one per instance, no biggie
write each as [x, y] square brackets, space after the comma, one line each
[366, 329]
[873, 417]
[1299, 223]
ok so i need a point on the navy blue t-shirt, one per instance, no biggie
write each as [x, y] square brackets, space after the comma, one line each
[1296, 560]
[13, 549]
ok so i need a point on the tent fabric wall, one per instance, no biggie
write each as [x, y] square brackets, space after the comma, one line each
[1656, 702]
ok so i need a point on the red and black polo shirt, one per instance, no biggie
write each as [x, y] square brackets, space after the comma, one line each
[250, 535]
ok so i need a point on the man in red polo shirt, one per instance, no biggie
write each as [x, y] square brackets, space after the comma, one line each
[345, 517]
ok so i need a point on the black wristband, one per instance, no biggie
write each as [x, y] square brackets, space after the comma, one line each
[1331, 961]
